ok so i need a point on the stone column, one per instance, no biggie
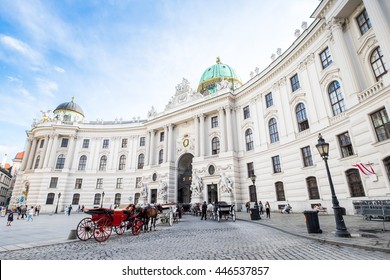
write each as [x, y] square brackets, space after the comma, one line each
[229, 128]
[26, 154]
[165, 143]
[44, 153]
[170, 142]
[151, 147]
[70, 154]
[256, 126]
[222, 130]
[147, 153]
[53, 152]
[343, 58]
[240, 136]
[32, 154]
[196, 129]
[380, 23]
[133, 152]
[201, 135]
[261, 125]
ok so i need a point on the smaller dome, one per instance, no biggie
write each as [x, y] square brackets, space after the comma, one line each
[70, 106]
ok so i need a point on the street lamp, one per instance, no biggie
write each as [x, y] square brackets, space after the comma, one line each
[58, 200]
[341, 229]
[101, 205]
[255, 214]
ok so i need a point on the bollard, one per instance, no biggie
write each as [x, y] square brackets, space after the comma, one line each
[72, 234]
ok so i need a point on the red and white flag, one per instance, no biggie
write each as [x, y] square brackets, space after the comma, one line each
[366, 169]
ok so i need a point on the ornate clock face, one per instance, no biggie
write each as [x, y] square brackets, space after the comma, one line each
[186, 142]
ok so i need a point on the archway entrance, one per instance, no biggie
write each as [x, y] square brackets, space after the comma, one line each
[184, 179]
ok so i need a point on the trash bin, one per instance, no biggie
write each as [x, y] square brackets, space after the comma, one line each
[255, 214]
[312, 222]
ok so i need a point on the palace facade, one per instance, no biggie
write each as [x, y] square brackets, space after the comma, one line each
[207, 143]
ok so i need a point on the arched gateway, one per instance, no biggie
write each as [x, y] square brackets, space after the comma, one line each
[184, 178]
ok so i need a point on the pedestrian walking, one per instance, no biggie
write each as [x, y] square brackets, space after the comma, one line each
[38, 209]
[261, 208]
[69, 209]
[268, 210]
[10, 218]
[23, 211]
[204, 211]
[30, 214]
[247, 205]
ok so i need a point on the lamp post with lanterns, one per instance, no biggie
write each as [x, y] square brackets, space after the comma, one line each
[58, 200]
[341, 229]
[101, 205]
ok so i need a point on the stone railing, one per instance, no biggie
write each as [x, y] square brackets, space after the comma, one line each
[370, 91]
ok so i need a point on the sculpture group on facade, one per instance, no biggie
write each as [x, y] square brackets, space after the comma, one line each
[196, 185]
[225, 184]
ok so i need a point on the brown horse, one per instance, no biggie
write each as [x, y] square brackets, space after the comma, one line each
[150, 214]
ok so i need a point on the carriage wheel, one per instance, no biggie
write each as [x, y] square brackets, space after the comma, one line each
[233, 215]
[136, 228]
[103, 229]
[170, 219]
[121, 228]
[218, 216]
[85, 229]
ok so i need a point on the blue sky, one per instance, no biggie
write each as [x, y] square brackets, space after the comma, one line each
[121, 57]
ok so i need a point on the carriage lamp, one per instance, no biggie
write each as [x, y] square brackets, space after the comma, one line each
[341, 229]
[58, 199]
[101, 205]
[253, 178]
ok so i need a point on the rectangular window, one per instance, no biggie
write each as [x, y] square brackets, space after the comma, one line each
[124, 143]
[364, 22]
[64, 142]
[294, 82]
[276, 164]
[306, 155]
[268, 100]
[247, 113]
[78, 184]
[106, 142]
[326, 59]
[99, 183]
[381, 123]
[142, 141]
[119, 182]
[85, 143]
[161, 136]
[42, 143]
[345, 144]
[251, 169]
[53, 182]
[214, 122]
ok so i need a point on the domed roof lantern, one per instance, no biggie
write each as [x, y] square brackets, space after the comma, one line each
[69, 111]
[70, 106]
[214, 75]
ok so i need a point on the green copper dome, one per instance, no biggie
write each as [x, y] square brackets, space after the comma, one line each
[214, 75]
[69, 106]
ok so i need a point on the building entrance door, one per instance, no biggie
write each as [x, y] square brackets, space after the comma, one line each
[184, 179]
[153, 196]
[212, 193]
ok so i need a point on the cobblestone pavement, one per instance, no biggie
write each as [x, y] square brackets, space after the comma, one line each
[193, 239]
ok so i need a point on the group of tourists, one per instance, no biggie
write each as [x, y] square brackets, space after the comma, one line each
[261, 208]
[22, 212]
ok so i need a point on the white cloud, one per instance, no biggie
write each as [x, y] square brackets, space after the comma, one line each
[59, 69]
[20, 47]
[46, 86]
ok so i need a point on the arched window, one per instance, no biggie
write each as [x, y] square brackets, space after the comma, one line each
[37, 162]
[50, 199]
[122, 162]
[82, 163]
[377, 63]
[141, 160]
[300, 111]
[215, 146]
[279, 188]
[386, 163]
[249, 139]
[96, 200]
[60, 162]
[76, 199]
[273, 130]
[312, 187]
[103, 163]
[160, 156]
[336, 98]
[354, 183]
[117, 200]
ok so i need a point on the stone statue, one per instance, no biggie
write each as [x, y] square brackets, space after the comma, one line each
[162, 189]
[144, 191]
[196, 185]
[225, 184]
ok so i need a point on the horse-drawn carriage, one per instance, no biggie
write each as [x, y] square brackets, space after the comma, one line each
[104, 220]
[168, 214]
[222, 210]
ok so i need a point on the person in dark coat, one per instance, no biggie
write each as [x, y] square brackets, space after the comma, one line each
[10, 218]
[204, 211]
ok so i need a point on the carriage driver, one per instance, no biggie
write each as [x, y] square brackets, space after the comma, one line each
[204, 211]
